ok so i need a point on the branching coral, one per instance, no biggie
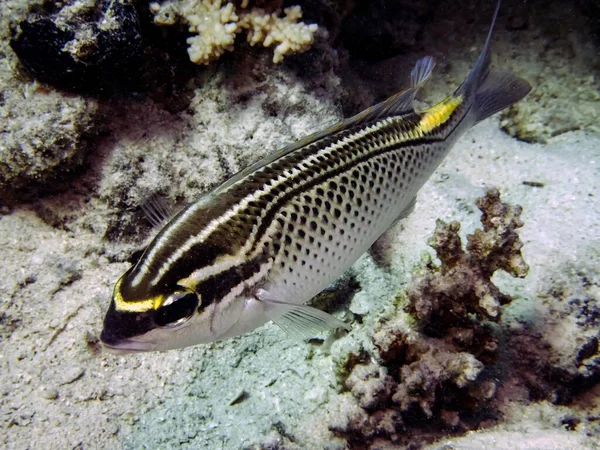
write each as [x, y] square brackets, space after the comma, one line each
[412, 388]
[216, 24]
[421, 385]
[289, 35]
[445, 296]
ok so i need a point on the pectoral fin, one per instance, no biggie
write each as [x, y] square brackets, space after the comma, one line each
[299, 321]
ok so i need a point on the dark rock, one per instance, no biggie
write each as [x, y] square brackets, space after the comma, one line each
[93, 50]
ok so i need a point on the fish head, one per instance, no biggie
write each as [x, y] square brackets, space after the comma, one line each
[168, 320]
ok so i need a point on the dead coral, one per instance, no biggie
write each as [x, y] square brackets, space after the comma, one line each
[540, 364]
[371, 384]
[417, 387]
[431, 369]
[445, 296]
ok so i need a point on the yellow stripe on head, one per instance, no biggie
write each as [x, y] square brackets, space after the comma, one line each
[438, 114]
[137, 306]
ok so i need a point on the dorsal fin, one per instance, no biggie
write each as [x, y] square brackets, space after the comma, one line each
[421, 72]
[398, 104]
[482, 65]
[156, 210]
[136, 255]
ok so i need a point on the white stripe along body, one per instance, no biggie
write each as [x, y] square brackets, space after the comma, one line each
[310, 219]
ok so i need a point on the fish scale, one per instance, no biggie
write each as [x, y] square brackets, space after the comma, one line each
[261, 245]
[345, 220]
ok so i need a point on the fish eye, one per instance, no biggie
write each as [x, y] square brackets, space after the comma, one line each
[176, 309]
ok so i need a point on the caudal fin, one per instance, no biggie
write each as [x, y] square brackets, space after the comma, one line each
[490, 91]
[499, 90]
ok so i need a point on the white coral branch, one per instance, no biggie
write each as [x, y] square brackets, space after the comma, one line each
[289, 35]
[215, 26]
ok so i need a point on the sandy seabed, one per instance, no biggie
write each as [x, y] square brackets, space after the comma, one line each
[264, 390]
[59, 393]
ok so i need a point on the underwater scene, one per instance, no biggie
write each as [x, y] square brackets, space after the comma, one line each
[300, 224]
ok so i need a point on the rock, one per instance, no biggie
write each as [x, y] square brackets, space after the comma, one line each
[48, 393]
[44, 138]
[91, 48]
[376, 30]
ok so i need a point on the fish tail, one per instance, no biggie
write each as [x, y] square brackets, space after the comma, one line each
[490, 91]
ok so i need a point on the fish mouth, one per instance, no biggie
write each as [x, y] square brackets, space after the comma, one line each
[127, 346]
[123, 346]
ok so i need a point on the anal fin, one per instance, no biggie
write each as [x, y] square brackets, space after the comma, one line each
[407, 211]
[380, 250]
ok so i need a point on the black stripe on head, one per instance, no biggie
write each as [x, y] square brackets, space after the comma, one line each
[201, 255]
[120, 325]
[224, 240]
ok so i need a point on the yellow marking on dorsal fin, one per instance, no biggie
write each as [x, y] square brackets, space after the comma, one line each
[438, 114]
[134, 307]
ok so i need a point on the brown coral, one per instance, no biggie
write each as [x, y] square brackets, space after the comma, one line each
[444, 296]
[417, 387]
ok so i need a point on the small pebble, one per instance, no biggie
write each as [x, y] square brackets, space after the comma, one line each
[90, 338]
[239, 397]
[488, 389]
[360, 304]
[129, 417]
[49, 393]
[73, 374]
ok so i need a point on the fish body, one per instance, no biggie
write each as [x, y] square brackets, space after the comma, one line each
[269, 239]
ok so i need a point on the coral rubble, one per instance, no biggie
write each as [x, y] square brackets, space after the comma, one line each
[215, 25]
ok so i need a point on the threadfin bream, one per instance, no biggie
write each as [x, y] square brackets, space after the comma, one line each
[276, 234]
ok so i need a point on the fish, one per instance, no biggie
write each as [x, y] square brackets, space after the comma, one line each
[266, 241]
